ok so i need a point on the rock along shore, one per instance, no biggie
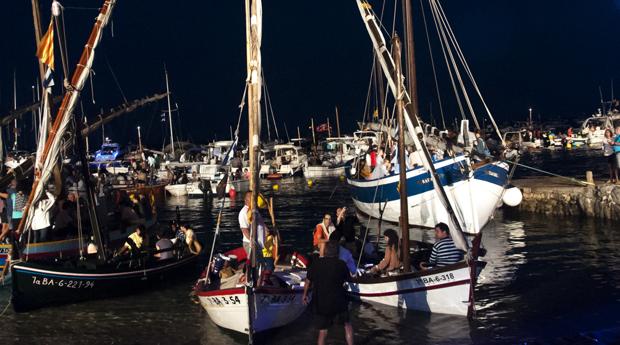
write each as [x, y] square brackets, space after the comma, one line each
[555, 196]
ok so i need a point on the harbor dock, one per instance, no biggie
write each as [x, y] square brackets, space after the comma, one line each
[562, 197]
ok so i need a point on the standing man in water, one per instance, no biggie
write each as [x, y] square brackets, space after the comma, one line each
[327, 276]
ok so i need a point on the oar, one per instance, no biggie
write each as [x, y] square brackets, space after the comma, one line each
[276, 244]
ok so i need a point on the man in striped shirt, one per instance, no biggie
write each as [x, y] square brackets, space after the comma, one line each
[444, 251]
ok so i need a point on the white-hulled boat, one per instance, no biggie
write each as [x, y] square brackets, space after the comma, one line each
[176, 189]
[336, 153]
[287, 161]
[443, 290]
[477, 193]
[274, 306]
[442, 191]
[185, 189]
[250, 305]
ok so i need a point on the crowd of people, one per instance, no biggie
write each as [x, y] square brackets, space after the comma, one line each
[383, 160]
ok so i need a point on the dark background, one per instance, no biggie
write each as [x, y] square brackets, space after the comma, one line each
[551, 55]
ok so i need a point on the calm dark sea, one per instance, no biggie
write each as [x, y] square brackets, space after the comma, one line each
[548, 281]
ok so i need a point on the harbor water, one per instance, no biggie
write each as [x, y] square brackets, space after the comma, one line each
[547, 281]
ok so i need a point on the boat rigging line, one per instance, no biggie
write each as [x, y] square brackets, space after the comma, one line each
[430, 51]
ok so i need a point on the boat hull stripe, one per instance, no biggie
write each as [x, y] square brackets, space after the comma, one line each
[406, 291]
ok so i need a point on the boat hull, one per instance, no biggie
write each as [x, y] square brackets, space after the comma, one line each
[443, 290]
[275, 307]
[39, 285]
[476, 195]
[321, 171]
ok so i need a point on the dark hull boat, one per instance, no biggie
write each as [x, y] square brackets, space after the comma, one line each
[37, 285]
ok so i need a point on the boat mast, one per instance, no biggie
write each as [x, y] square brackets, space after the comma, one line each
[52, 148]
[404, 212]
[15, 127]
[337, 122]
[169, 113]
[411, 118]
[254, 20]
[412, 81]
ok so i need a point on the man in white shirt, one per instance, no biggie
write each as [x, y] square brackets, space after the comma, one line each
[244, 224]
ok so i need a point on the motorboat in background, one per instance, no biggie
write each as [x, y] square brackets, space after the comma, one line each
[284, 161]
[593, 128]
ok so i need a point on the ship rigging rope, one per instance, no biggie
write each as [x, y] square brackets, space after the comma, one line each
[270, 109]
[449, 42]
[430, 51]
[59, 21]
[468, 71]
[450, 72]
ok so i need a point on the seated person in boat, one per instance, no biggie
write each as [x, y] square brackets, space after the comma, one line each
[444, 251]
[321, 233]
[192, 242]
[480, 151]
[163, 246]
[391, 260]
[134, 241]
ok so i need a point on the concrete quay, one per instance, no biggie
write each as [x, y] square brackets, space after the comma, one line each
[557, 196]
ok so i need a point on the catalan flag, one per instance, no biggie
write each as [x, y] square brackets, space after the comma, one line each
[45, 52]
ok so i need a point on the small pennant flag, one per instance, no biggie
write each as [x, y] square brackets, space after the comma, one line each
[375, 114]
[45, 52]
[48, 82]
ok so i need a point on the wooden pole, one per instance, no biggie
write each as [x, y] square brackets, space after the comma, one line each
[329, 130]
[36, 17]
[298, 133]
[404, 212]
[169, 114]
[337, 122]
[312, 127]
[410, 56]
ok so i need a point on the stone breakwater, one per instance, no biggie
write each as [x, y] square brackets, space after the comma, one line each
[554, 196]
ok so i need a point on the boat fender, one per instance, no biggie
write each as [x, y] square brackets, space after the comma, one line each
[275, 187]
[310, 182]
[232, 193]
[512, 196]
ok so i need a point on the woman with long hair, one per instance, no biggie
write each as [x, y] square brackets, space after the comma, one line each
[391, 260]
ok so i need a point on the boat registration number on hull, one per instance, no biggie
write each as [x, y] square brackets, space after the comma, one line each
[434, 279]
[63, 283]
[276, 299]
[221, 301]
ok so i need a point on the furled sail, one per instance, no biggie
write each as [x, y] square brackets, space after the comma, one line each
[50, 153]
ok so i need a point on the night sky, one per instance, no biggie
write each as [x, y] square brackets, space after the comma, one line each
[551, 55]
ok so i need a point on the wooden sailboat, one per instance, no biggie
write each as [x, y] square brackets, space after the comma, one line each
[42, 283]
[248, 307]
[448, 289]
[474, 190]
